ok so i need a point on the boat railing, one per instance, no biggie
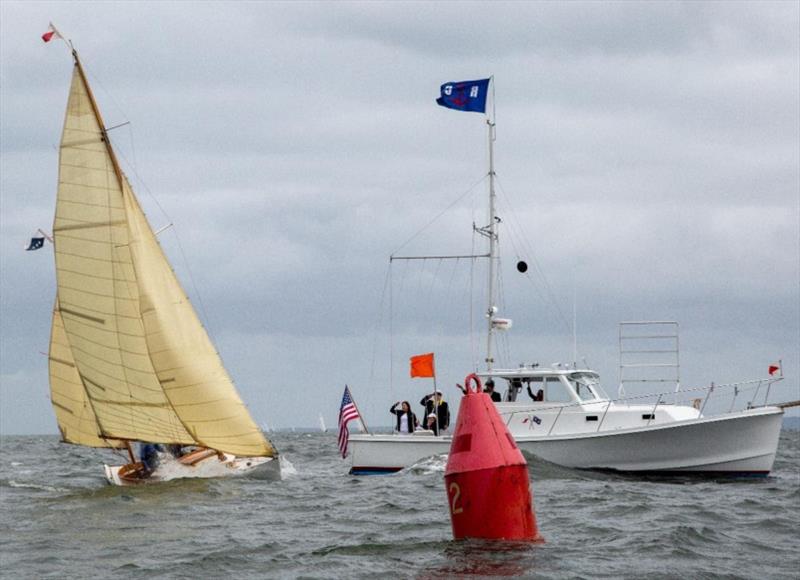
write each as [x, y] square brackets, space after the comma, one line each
[754, 386]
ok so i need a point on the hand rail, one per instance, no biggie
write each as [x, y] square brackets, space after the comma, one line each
[708, 389]
[653, 412]
[555, 421]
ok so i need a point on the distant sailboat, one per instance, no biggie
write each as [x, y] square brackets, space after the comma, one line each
[129, 359]
[322, 426]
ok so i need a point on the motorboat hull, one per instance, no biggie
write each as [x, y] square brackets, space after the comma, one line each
[384, 454]
[210, 466]
[735, 444]
[741, 443]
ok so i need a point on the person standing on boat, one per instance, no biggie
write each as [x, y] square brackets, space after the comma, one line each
[438, 406]
[489, 390]
[539, 396]
[406, 419]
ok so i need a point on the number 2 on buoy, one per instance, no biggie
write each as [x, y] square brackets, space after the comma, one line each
[456, 491]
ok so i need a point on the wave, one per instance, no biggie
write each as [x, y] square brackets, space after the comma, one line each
[36, 486]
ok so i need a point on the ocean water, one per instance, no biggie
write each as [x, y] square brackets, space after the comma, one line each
[58, 519]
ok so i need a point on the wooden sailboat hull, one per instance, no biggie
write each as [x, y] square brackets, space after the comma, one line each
[210, 465]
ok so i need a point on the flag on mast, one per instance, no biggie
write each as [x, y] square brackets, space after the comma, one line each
[35, 244]
[422, 365]
[774, 368]
[347, 412]
[465, 95]
[51, 33]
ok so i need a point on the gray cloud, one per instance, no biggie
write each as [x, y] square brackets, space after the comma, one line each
[647, 152]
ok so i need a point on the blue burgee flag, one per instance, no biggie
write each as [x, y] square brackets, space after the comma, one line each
[465, 95]
[36, 244]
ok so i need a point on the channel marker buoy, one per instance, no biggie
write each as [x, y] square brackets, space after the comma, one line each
[487, 483]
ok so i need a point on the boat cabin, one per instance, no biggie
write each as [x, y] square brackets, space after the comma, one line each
[534, 384]
[544, 401]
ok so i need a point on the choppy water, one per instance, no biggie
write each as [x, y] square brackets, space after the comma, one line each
[59, 519]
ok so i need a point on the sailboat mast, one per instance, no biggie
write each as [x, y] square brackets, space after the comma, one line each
[492, 231]
[96, 109]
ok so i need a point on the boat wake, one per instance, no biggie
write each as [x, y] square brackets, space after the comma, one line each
[287, 469]
[433, 464]
[36, 486]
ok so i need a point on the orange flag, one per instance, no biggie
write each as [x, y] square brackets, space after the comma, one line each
[422, 365]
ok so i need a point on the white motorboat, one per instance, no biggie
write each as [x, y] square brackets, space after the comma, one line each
[573, 423]
[565, 417]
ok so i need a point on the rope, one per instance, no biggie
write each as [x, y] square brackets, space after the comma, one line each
[440, 214]
[548, 295]
[376, 329]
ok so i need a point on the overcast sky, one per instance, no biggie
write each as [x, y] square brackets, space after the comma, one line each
[648, 157]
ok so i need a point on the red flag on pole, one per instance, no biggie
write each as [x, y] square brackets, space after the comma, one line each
[773, 369]
[422, 365]
[51, 32]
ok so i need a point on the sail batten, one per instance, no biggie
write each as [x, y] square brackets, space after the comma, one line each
[123, 319]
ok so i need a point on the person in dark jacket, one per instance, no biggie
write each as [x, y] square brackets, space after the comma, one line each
[438, 406]
[539, 396]
[489, 390]
[149, 455]
[406, 419]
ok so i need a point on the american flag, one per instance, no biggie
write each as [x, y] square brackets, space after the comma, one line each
[347, 412]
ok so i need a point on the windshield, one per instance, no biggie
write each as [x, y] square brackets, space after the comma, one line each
[587, 386]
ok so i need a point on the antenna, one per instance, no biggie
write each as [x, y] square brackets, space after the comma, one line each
[574, 323]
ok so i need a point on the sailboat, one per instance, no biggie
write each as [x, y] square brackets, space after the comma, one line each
[322, 426]
[130, 363]
[566, 417]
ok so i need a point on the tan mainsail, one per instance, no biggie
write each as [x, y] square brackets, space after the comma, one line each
[145, 363]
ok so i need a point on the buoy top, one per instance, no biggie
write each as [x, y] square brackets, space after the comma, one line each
[481, 439]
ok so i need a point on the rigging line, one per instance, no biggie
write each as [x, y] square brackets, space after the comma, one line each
[440, 214]
[549, 291]
[471, 302]
[180, 247]
[96, 81]
[527, 246]
[429, 292]
[391, 331]
[378, 326]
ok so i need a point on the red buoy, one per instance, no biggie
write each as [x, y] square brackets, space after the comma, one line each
[487, 481]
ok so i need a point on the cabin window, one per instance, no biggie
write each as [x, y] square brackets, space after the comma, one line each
[648, 416]
[591, 417]
[555, 391]
[587, 386]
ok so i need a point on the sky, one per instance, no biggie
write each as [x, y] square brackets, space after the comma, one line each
[648, 164]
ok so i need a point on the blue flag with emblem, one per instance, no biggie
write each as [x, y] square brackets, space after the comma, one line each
[35, 244]
[465, 95]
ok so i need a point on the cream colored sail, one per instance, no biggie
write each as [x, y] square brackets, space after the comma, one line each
[146, 364]
[191, 372]
[97, 289]
[76, 420]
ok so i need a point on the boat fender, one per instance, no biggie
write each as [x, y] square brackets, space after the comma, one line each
[486, 479]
